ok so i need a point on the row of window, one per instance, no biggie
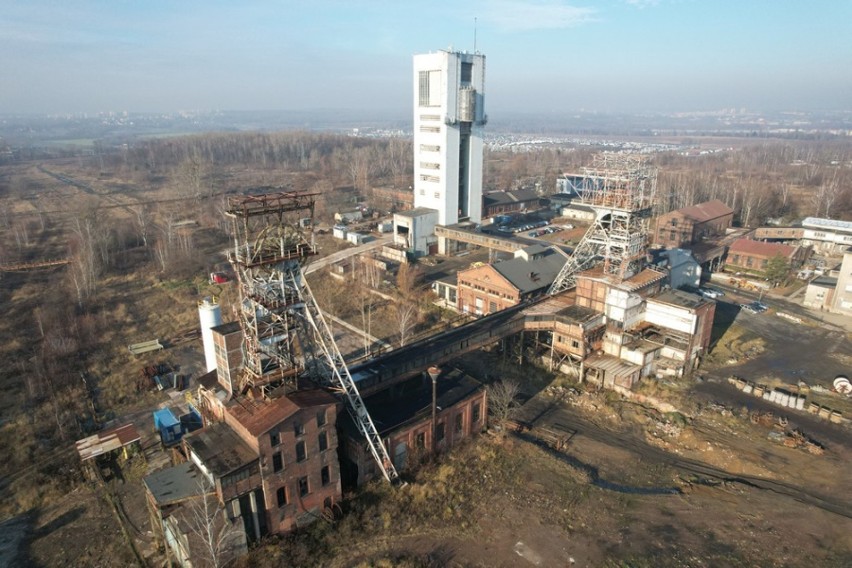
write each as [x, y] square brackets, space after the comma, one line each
[304, 486]
[486, 290]
[430, 165]
[430, 148]
[298, 428]
[430, 117]
[574, 343]
[749, 261]
[301, 452]
[430, 129]
[430, 178]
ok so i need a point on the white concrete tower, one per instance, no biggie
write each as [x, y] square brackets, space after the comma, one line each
[449, 115]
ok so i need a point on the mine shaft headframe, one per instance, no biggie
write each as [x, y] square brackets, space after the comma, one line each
[280, 203]
[620, 181]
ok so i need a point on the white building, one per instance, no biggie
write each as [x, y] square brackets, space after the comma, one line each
[414, 230]
[449, 115]
[827, 235]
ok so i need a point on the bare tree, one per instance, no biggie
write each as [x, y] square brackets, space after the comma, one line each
[503, 401]
[219, 538]
[407, 279]
[406, 319]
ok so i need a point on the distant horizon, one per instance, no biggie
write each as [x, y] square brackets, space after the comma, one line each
[405, 113]
[543, 56]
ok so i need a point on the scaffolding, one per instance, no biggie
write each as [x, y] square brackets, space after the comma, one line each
[621, 188]
[285, 335]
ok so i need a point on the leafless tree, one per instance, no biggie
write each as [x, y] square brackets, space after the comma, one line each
[406, 319]
[219, 538]
[143, 220]
[503, 401]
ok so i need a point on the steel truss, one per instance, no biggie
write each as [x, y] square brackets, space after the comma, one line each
[621, 188]
[284, 333]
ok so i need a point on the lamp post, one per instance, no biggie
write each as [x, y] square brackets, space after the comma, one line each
[434, 372]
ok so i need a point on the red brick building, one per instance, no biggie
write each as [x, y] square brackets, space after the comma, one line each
[403, 416]
[685, 227]
[295, 437]
[754, 256]
[490, 288]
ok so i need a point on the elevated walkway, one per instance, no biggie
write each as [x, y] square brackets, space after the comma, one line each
[413, 359]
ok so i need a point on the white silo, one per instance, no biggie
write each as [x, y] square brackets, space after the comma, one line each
[210, 315]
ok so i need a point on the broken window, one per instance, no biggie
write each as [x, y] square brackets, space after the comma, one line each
[439, 432]
[301, 452]
[321, 417]
[304, 489]
[323, 441]
[459, 424]
[325, 475]
[277, 462]
[282, 496]
[274, 439]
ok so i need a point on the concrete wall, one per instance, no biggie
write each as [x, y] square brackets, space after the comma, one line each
[437, 135]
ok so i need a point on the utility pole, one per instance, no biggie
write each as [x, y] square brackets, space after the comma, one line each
[434, 372]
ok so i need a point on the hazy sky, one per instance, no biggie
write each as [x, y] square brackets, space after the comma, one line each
[547, 55]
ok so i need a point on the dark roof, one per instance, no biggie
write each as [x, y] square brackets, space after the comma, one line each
[220, 449]
[578, 314]
[706, 211]
[750, 247]
[259, 416]
[391, 412]
[227, 328]
[515, 196]
[531, 275]
[208, 380]
[824, 282]
[175, 483]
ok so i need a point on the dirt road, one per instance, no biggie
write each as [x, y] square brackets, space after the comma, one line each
[554, 415]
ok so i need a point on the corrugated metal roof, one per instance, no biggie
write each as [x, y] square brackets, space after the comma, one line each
[174, 484]
[827, 223]
[261, 415]
[107, 441]
[610, 364]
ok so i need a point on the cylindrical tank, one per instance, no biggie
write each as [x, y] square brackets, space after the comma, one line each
[210, 315]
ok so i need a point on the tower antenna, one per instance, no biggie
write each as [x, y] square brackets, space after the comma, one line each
[474, 35]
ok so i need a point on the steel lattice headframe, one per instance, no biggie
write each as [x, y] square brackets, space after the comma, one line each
[621, 188]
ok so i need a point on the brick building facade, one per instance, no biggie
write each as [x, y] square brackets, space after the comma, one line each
[685, 227]
[754, 256]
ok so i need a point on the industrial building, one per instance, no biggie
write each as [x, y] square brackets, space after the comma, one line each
[488, 288]
[754, 256]
[688, 226]
[449, 117]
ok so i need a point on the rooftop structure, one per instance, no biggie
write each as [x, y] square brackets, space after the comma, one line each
[621, 188]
